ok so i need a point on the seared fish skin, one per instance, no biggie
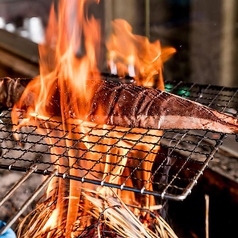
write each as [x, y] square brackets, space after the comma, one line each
[134, 106]
[128, 105]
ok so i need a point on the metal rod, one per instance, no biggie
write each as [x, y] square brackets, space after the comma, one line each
[147, 18]
[18, 184]
[28, 202]
[228, 42]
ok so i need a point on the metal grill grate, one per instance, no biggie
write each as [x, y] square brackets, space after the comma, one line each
[123, 158]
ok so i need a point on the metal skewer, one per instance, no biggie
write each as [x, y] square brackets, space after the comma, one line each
[18, 184]
[28, 202]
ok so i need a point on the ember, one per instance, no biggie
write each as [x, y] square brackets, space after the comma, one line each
[72, 208]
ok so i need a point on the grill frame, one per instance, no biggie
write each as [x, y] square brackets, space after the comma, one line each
[202, 144]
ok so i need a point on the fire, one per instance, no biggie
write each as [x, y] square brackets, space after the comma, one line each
[136, 56]
[68, 66]
[69, 54]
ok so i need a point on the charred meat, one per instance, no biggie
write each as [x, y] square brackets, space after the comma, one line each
[128, 105]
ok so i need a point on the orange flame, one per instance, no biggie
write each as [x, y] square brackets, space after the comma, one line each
[136, 55]
[67, 60]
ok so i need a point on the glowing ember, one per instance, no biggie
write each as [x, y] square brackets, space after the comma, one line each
[68, 64]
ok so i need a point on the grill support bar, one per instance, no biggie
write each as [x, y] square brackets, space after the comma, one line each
[29, 200]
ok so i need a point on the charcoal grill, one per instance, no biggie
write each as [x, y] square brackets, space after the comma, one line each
[181, 160]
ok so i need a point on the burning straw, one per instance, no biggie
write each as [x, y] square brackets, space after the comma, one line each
[104, 216]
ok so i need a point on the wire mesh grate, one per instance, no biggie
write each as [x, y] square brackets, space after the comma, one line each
[165, 164]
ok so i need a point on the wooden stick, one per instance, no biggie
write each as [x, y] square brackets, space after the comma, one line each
[207, 215]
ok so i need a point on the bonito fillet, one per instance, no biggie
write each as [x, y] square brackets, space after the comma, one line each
[128, 105]
[134, 106]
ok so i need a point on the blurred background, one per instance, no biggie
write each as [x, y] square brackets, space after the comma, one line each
[203, 32]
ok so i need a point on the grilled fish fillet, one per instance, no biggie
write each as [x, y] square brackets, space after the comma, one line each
[134, 106]
[127, 105]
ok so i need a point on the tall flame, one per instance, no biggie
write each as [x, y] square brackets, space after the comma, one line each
[67, 60]
[136, 55]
